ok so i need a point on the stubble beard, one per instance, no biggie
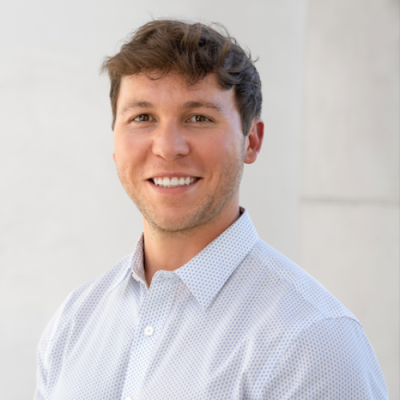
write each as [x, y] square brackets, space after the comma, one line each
[208, 210]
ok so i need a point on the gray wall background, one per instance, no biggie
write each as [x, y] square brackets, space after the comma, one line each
[324, 191]
[349, 204]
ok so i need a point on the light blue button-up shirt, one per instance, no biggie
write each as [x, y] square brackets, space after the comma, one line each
[238, 321]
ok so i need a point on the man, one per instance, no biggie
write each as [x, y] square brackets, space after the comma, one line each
[202, 309]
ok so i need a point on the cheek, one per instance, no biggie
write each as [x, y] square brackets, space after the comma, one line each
[129, 149]
[229, 151]
[221, 150]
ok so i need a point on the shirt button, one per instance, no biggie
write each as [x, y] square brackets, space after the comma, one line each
[149, 330]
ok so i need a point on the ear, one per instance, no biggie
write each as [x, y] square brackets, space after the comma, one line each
[254, 141]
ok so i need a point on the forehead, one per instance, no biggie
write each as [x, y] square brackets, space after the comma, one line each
[173, 90]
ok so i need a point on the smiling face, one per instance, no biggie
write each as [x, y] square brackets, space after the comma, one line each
[180, 150]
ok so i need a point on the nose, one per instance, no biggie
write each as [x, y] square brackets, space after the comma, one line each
[169, 141]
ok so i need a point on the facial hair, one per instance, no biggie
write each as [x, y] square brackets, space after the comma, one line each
[207, 211]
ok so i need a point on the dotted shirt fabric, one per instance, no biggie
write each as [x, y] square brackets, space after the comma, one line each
[238, 321]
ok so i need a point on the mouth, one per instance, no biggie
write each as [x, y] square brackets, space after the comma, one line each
[172, 182]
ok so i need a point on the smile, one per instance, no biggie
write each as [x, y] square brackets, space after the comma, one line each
[173, 182]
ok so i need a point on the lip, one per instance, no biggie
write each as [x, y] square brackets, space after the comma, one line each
[171, 175]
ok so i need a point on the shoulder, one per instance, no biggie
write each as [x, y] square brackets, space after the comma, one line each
[321, 347]
[280, 278]
[330, 359]
[70, 318]
[86, 298]
[283, 300]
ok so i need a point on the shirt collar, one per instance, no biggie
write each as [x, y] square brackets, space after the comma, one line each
[207, 272]
[133, 266]
[137, 260]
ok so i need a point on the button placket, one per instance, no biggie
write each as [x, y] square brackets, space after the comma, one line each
[153, 313]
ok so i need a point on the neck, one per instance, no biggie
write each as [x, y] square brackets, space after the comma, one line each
[168, 252]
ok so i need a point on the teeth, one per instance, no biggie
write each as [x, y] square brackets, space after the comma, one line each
[173, 182]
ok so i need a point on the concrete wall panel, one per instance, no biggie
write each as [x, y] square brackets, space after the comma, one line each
[352, 122]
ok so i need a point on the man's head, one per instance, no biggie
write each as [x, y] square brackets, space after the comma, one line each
[179, 145]
[193, 51]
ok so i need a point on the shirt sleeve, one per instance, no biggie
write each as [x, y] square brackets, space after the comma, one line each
[45, 360]
[41, 369]
[331, 359]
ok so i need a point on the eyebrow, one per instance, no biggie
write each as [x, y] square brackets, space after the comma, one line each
[188, 106]
[136, 104]
[198, 104]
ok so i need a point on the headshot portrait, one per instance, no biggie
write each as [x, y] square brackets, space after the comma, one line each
[200, 201]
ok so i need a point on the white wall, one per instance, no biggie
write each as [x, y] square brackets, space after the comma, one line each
[349, 234]
[64, 217]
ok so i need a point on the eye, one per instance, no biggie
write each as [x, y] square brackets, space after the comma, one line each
[198, 118]
[142, 118]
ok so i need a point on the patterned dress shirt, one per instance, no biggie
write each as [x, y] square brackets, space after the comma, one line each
[238, 321]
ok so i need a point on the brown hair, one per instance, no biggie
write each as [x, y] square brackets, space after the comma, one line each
[193, 50]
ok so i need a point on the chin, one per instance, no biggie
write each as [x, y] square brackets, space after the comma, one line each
[173, 225]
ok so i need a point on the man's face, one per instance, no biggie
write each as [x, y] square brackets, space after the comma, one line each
[179, 150]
